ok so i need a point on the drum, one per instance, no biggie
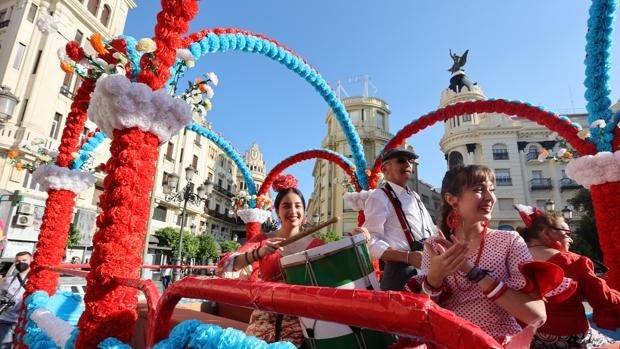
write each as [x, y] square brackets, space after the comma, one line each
[342, 264]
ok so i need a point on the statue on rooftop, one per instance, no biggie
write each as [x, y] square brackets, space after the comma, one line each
[459, 61]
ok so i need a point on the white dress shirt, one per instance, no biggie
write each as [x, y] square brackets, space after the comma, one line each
[15, 292]
[384, 226]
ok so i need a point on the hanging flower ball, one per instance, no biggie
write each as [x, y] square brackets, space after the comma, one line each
[12, 154]
[213, 78]
[543, 155]
[19, 166]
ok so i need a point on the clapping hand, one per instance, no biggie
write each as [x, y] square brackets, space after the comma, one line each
[446, 258]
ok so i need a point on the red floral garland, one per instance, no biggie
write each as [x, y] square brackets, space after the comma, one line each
[172, 21]
[606, 211]
[550, 120]
[111, 310]
[307, 155]
[74, 125]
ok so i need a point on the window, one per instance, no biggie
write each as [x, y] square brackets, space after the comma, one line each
[467, 118]
[93, 5]
[505, 204]
[78, 37]
[532, 153]
[77, 84]
[455, 159]
[355, 116]
[32, 13]
[502, 177]
[217, 208]
[195, 161]
[19, 55]
[36, 62]
[29, 182]
[3, 14]
[97, 194]
[159, 213]
[537, 174]
[540, 204]
[380, 120]
[500, 152]
[55, 125]
[105, 15]
[169, 151]
[197, 140]
[181, 156]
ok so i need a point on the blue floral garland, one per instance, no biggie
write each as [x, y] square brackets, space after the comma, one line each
[250, 43]
[87, 148]
[228, 150]
[598, 49]
[195, 334]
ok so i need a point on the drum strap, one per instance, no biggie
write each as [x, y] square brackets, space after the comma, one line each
[359, 336]
[391, 194]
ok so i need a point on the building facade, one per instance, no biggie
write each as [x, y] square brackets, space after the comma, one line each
[514, 148]
[29, 67]
[370, 117]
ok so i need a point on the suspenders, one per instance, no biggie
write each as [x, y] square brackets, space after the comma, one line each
[414, 245]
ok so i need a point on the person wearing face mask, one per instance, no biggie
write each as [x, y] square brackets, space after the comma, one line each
[11, 296]
[397, 221]
[548, 238]
[264, 250]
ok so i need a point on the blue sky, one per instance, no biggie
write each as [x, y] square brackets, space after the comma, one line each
[525, 50]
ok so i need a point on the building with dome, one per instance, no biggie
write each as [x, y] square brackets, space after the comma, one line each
[513, 147]
[370, 117]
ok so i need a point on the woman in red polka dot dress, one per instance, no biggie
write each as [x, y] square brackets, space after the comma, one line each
[478, 272]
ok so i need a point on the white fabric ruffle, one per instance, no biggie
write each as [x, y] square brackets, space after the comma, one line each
[604, 167]
[58, 178]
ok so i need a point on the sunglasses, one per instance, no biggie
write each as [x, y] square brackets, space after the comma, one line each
[403, 160]
[565, 231]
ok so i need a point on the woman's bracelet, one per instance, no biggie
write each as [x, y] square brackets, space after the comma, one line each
[491, 287]
[408, 252]
[430, 290]
[499, 288]
[255, 254]
[476, 274]
[499, 293]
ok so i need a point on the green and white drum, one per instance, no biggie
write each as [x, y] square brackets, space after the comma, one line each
[342, 264]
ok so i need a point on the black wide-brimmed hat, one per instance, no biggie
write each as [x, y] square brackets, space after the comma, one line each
[398, 152]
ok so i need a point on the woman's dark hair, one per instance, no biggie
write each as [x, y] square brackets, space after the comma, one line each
[539, 223]
[454, 182]
[282, 193]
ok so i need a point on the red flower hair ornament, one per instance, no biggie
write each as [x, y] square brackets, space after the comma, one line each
[283, 182]
[527, 213]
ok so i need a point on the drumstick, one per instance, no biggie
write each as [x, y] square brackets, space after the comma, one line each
[305, 233]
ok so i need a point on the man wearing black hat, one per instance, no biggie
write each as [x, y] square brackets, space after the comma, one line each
[397, 221]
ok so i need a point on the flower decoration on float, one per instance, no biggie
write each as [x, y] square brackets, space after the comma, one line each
[200, 92]
[31, 155]
[243, 200]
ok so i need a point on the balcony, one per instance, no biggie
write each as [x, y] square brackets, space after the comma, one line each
[221, 216]
[500, 154]
[540, 184]
[221, 189]
[567, 183]
[532, 156]
[64, 90]
[503, 181]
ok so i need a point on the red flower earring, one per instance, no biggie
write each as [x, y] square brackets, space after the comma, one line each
[454, 219]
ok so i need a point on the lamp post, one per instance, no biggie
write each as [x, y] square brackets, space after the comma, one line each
[8, 101]
[550, 206]
[567, 214]
[185, 195]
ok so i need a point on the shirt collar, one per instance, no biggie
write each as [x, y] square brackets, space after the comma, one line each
[398, 189]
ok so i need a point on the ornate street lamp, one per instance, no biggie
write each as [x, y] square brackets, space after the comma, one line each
[550, 206]
[186, 195]
[567, 213]
[8, 101]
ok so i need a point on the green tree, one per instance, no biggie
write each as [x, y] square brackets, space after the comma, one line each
[229, 246]
[585, 235]
[328, 236]
[74, 235]
[208, 248]
[169, 237]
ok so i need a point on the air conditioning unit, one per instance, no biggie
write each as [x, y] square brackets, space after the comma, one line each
[24, 220]
[25, 208]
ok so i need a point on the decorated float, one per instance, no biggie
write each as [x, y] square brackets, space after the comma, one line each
[129, 91]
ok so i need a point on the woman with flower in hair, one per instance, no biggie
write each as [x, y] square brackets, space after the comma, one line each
[548, 237]
[264, 250]
[481, 273]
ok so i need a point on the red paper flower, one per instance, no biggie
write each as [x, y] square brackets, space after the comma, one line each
[284, 182]
[74, 51]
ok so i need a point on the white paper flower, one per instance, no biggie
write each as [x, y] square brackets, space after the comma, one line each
[598, 124]
[213, 77]
[583, 134]
[47, 24]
